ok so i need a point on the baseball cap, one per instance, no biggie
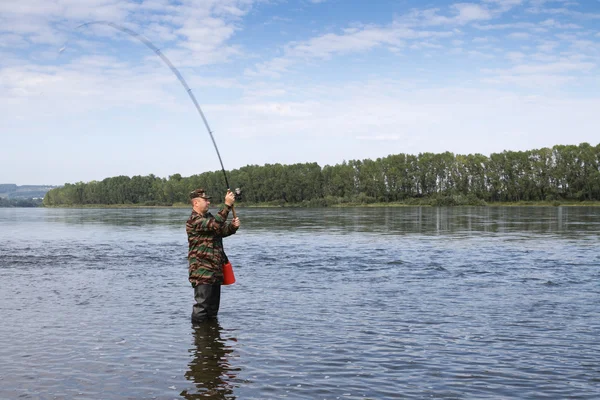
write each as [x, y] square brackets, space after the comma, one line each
[199, 193]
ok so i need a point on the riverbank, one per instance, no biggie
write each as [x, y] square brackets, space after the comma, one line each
[425, 203]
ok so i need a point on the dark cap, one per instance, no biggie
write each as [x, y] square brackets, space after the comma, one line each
[199, 193]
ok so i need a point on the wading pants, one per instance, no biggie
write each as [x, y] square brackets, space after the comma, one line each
[207, 299]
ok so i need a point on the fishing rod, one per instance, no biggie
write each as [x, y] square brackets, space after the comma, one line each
[177, 74]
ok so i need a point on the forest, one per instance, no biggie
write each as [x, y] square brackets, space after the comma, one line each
[20, 202]
[561, 173]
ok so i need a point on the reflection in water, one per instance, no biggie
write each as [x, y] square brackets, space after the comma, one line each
[404, 220]
[210, 369]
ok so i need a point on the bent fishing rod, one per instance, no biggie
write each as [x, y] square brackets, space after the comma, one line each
[159, 53]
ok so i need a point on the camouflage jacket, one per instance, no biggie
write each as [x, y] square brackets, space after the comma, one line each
[205, 238]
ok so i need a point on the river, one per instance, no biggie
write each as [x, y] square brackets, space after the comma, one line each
[349, 303]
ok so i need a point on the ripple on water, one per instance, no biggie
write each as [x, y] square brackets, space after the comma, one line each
[409, 303]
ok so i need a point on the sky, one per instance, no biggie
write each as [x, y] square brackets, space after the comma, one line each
[287, 82]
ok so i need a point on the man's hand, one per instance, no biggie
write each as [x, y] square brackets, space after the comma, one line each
[235, 222]
[230, 198]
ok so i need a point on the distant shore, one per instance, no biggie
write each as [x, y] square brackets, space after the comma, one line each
[350, 205]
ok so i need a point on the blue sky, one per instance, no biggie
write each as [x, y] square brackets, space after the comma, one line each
[288, 81]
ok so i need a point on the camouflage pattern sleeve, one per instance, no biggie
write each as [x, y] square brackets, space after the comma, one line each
[206, 255]
[208, 223]
[227, 230]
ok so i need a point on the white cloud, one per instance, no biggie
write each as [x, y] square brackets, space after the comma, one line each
[504, 5]
[93, 82]
[381, 138]
[12, 41]
[410, 121]
[201, 29]
[533, 81]
[480, 54]
[550, 74]
[547, 46]
[567, 37]
[425, 45]
[358, 41]
[351, 41]
[582, 45]
[515, 56]
[564, 11]
[460, 14]
[556, 68]
[517, 25]
[367, 117]
[519, 35]
[481, 40]
[468, 12]
[273, 68]
[551, 23]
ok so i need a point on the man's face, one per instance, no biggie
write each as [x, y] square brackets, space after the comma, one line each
[202, 204]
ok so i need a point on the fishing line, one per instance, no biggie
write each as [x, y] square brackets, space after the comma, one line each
[173, 69]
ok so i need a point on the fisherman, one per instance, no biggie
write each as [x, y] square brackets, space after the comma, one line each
[206, 255]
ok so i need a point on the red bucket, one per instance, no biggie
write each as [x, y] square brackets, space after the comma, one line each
[228, 276]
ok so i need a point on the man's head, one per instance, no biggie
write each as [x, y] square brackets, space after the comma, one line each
[200, 201]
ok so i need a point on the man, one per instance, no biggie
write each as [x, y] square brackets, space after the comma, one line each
[206, 255]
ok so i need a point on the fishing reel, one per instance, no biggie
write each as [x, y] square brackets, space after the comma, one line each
[238, 194]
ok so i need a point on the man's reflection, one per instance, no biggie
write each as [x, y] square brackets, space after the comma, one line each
[210, 369]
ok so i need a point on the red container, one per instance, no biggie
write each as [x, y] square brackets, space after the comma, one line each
[228, 276]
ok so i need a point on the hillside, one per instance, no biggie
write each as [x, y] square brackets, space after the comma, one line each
[12, 191]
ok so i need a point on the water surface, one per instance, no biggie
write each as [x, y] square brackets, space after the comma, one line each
[361, 303]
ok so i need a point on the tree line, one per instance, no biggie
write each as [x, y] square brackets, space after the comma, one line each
[20, 202]
[563, 172]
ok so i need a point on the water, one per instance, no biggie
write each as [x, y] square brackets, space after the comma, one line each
[365, 303]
